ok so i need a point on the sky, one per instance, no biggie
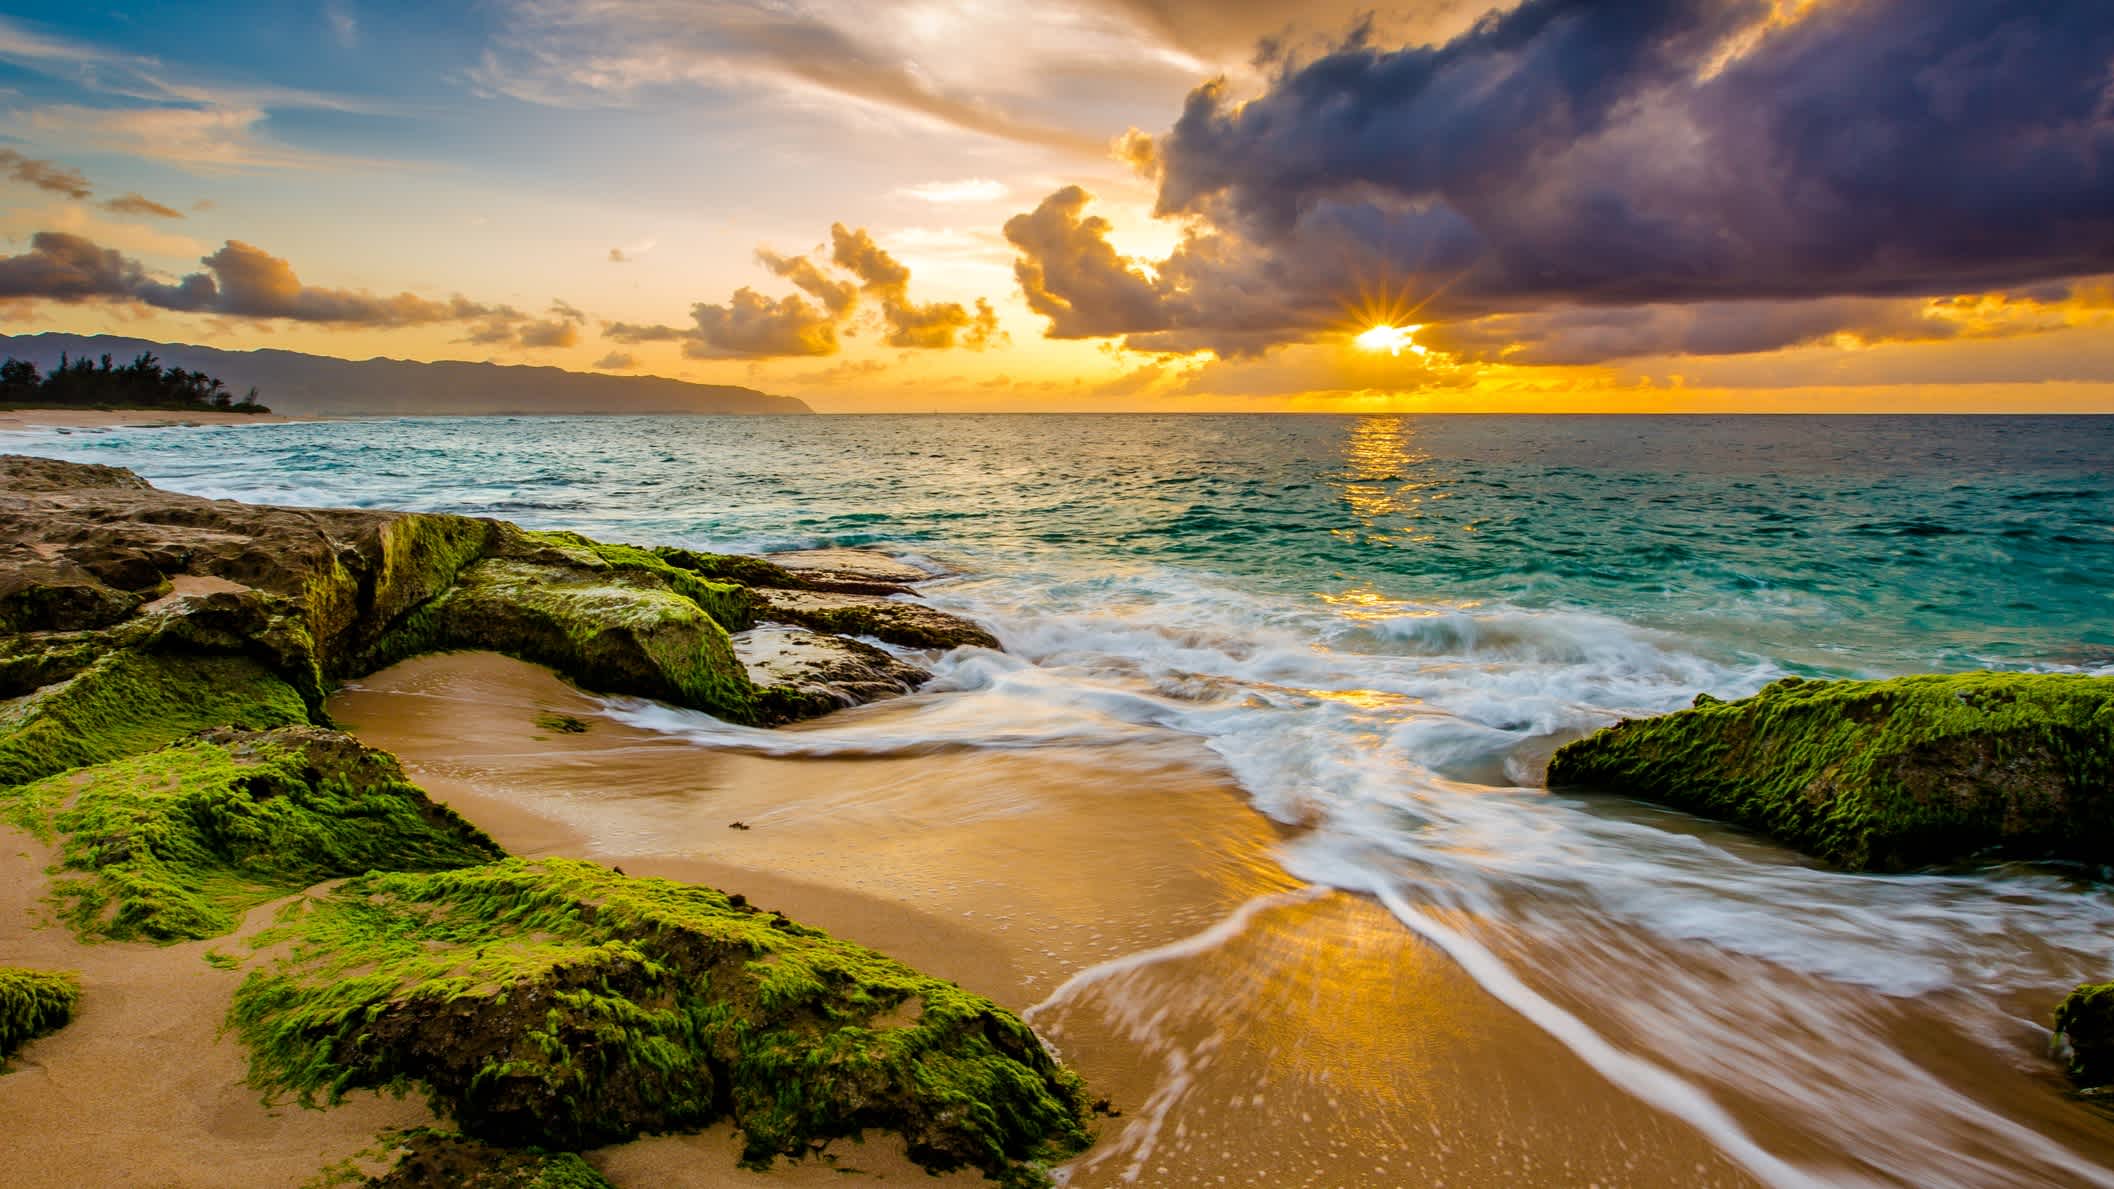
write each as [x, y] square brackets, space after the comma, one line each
[882, 205]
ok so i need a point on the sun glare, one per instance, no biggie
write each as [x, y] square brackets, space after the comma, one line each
[1391, 339]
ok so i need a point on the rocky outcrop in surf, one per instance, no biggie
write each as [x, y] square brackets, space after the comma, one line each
[111, 591]
[162, 673]
[1882, 775]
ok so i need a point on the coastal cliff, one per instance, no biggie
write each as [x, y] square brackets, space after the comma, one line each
[164, 668]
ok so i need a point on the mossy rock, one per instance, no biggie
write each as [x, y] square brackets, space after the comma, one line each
[130, 701]
[562, 1004]
[1883, 775]
[33, 1003]
[178, 843]
[428, 1159]
[614, 630]
[2084, 1034]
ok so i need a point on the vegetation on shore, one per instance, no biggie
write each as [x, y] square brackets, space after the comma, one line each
[563, 1004]
[177, 843]
[161, 690]
[142, 384]
[1883, 775]
[33, 1003]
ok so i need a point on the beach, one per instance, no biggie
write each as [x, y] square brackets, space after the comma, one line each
[69, 419]
[1319, 1045]
[1269, 866]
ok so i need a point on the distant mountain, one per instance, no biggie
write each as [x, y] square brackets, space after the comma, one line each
[311, 385]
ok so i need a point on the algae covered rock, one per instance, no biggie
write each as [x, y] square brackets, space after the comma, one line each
[2084, 1034]
[913, 625]
[32, 1003]
[803, 674]
[178, 843]
[562, 1004]
[1883, 775]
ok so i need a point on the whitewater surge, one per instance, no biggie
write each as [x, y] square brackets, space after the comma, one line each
[1381, 640]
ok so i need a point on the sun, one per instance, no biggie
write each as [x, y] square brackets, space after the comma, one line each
[1391, 339]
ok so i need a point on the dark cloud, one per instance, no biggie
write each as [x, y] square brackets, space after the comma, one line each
[751, 325]
[45, 175]
[617, 361]
[1585, 153]
[135, 204]
[240, 281]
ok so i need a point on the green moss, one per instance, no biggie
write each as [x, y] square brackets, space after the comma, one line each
[557, 1002]
[2084, 1033]
[564, 724]
[420, 557]
[1885, 775]
[729, 603]
[132, 701]
[178, 843]
[32, 1003]
[732, 567]
[616, 630]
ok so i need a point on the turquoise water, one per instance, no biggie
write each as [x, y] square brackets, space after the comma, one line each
[1840, 545]
[1378, 626]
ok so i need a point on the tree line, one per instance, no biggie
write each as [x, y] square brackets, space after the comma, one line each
[142, 384]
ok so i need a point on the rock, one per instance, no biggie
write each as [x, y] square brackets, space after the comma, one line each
[2084, 1034]
[33, 1003]
[913, 625]
[178, 843]
[850, 571]
[803, 673]
[94, 562]
[561, 1004]
[429, 1159]
[1883, 775]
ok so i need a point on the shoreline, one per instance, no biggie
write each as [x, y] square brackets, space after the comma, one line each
[19, 419]
[1118, 891]
[1320, 1018]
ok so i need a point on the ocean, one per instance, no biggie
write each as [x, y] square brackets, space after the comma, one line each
[1380, 626]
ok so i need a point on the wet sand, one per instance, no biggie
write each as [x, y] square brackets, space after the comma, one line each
[1278, 1036]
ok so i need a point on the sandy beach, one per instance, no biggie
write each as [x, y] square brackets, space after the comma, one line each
[1311, 1041]
[11, 419]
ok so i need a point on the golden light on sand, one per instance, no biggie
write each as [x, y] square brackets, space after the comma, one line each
[1391, 339]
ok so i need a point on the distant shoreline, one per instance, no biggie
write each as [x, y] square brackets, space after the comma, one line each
[132, 418]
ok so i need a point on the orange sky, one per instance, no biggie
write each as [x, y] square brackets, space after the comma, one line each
[597, 189]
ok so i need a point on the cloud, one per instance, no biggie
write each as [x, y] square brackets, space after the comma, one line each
[135, 204]
[937, 325]
[747, 326]
[44, 175]
[617, 361]
[750, 325]
[1011, 69]
[965, 190]
[1593, 155]
[239, 281]
[344, 23]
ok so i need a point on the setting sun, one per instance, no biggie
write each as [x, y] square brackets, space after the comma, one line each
[1391, 339]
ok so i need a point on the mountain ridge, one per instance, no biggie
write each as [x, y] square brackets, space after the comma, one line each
[300, 384]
